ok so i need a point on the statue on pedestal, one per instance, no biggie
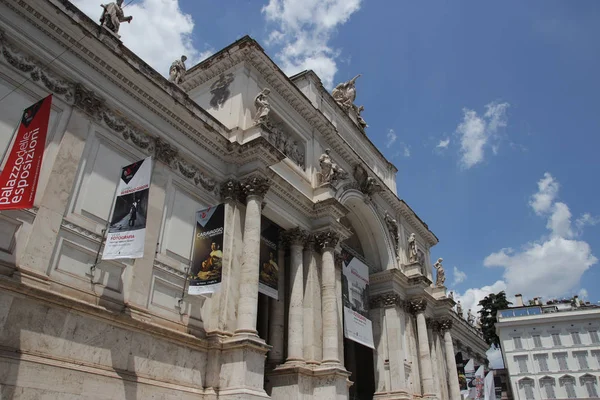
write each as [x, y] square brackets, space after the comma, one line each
[345, 93]
[470, 317]
[112, 16]
[413, 255]
[440, 276]
[359, 117]
[459, 309]
[177, 70]
[263, 108]
[330, 171]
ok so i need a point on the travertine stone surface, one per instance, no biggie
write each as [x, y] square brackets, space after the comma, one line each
[446, 325]
[295, 346]
[277, 313]
[330, 312]
[426, 371]
[313, 331]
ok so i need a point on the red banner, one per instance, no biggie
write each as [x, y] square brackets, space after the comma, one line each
[19, 179]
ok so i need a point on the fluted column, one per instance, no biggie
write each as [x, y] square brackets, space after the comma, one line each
[445, 326]
[418, 308]
[327, 241]
[254, 188]
[296, 238]
[277, 311]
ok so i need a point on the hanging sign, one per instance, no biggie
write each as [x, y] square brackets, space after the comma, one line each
[207, 252]
[127, 229]
[355, 296]
[19, 178]
[269, 270]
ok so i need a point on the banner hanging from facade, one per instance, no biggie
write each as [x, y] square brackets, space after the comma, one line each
[207, 251]
[127, 229]
[355, 295]
[19, 178]
[269, 270]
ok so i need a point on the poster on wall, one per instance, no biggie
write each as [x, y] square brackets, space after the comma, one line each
[19, 178]
[355, 296]
[269, 270]
[127, 229]
[207, 251]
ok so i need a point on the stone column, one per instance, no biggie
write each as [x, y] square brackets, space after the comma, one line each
[418, 308]
[296, 238]
[312, 305]
[254, 188]
[327, 241]
[277, 312]
[445, 326]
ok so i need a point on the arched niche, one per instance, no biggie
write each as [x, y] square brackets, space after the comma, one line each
[369, 235]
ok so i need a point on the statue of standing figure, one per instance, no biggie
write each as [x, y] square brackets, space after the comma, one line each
[413, 255]
[330, 171]
[177, 70]
[263, 108]
[459, 309]
[112, 16]
[345, 93]
[440, 276]
[470, 317]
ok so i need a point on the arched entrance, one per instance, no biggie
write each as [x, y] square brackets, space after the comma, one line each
[368, 243]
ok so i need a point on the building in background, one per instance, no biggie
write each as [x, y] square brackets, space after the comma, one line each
[552, 350]
[233, 130]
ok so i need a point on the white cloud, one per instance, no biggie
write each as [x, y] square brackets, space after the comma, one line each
[541, 202]
[586, 220]
[583, 294]
[159, 33]
[391, 137]
[471, 297]
[459, 276]
[406, 150]
[560, 220]
[476, 131]
[443, 144]
[303, 29]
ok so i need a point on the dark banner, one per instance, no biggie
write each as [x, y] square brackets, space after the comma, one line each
[19, 179]
[207, 254]
[269, 270]
[127, 230]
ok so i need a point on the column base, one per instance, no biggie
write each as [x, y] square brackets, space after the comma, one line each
[242, 368]
[394, 395]
[308, 382]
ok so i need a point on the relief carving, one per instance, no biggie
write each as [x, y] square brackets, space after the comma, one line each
[230, 190]
[296, 236]
[417, 306]
[366, 184]
[220, 90]
[279, 137]
[386, 300]
[327, 239]
[255, 186]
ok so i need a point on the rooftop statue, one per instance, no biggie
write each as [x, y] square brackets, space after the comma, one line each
[263, 108]
[177, 71]
[470, 317]
[345, 93]
[112, 16]
[459, 309]
[413, 255]
[440, 277]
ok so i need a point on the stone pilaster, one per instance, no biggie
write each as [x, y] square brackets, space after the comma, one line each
[326, 241]
[445, 327]
[277, 311]
[253, 189]
[418, 307]
[313, 330]
[296, 238]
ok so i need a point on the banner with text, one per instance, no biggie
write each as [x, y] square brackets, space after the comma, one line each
[127, 229]
[19, 178]
[207, 253]
[355, 295]
[269, 270]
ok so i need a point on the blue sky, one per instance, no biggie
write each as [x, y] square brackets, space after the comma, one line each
[489, 111]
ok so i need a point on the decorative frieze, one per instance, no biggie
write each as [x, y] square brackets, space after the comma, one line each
[417, 306]
[386, 300]
[327, 239]
[280, 137]
[255, 185]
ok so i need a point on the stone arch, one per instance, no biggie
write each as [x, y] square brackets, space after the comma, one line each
[370, 230]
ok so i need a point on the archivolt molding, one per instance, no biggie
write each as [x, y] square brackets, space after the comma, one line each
[95, 107]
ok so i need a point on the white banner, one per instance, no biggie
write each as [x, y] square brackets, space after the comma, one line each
[355, 295]
[127, 229]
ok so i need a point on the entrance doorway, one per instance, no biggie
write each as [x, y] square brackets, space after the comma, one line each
[358, 360]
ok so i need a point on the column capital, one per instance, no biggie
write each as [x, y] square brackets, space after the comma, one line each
[310, 242]
[327, 239]
[445, 324]
[417, 306]
[230, 190]
[255, 185]
[386, 300]
[295, 236]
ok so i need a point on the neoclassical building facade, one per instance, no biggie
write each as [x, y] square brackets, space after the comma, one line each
[294, 153]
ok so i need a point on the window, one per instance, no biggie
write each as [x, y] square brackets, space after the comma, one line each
[547, 384]
[581, 357]
[591, 385]
[522, 362]
[576, 338]
[594, 337]
[562, 361]
[542, 360]
[527, 385]
[518, 343]
[556, 339]
[537, 341]
[596, 353]
[568, 382]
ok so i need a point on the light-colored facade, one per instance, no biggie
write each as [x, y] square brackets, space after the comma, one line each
[551, 351]
[122, 330]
